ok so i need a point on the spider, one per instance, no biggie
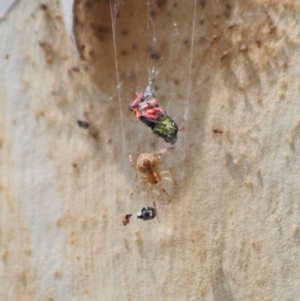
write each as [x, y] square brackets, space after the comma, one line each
[148, 164]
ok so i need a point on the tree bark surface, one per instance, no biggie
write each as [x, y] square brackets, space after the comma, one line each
[228, 74]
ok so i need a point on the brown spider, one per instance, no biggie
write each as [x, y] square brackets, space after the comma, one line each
[148, 165]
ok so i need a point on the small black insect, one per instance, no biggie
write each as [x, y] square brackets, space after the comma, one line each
[146, 214]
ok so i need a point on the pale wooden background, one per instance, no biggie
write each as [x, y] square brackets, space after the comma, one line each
[231, 233]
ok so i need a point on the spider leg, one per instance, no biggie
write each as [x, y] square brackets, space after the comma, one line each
[174, 185]
[164, 190]
[139, 177]
[131, 162]
[153, 198]
[163, 151]
[172, 180]
[136, 188]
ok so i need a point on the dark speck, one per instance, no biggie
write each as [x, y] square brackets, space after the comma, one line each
[225, 54]
[152, 13]
[75, 69]
[161, 3]
[202, 3]
[100, 31]
[43, 7]
[273, 29]
[83, 124]
[217, 131]
[258, 43]
[176, 82]
[153, 54]
[227, 12]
